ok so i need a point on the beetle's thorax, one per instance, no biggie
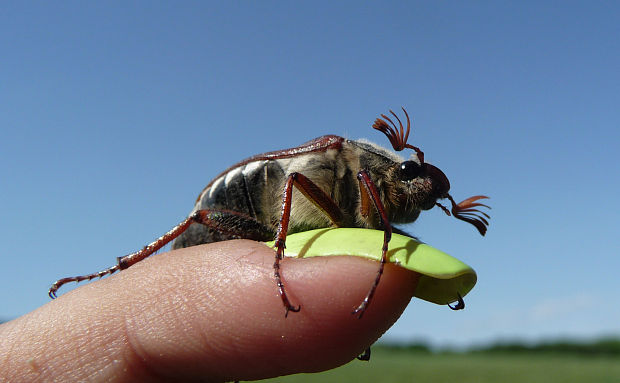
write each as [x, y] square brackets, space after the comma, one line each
[403, 200]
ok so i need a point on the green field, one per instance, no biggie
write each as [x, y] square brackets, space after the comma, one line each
[403, 366]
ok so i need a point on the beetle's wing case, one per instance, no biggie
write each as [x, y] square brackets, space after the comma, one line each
[254, 187]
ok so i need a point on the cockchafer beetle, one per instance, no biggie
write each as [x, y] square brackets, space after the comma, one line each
[345, 183]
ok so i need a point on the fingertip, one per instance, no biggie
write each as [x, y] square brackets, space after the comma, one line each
[238, 314]
[214, 311]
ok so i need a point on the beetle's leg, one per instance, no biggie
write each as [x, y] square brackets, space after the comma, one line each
[460, 304]
[321, 200]
[368, 192]
[230, 222]
[56, 285]
[128, 260]
[365, 356]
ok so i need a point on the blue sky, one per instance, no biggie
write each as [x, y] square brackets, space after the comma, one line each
[114, 116]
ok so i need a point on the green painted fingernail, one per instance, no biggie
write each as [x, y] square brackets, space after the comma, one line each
[442, 277]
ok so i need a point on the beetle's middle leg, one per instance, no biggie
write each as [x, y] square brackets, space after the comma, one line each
[317, 196]
[225, 221]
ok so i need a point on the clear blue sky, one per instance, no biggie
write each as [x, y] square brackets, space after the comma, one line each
[114, 116]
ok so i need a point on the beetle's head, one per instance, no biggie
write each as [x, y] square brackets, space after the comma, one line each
[418, 185]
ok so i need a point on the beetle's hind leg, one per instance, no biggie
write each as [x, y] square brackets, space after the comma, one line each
[225, 221]
[56, 285]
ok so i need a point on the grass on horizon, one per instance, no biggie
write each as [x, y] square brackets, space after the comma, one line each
[401, 366]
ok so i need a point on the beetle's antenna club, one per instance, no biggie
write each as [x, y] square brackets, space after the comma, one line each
[398, 137]
[466, 211]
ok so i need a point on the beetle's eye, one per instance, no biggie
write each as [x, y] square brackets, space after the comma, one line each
[409, 170]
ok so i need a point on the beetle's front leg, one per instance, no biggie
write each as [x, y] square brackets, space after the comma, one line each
[323, 201]
[369, 193]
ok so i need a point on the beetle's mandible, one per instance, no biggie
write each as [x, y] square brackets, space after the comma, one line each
[342, 183]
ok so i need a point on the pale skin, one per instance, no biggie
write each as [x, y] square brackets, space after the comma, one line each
[205, 313]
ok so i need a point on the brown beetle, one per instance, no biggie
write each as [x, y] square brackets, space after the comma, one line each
[344, 183]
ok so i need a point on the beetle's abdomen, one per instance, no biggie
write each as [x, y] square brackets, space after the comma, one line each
[254, 187]
[251, 189]
[243, 188]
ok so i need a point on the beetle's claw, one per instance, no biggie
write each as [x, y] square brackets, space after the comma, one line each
[460, 305]
[294, 309]
[360, 309]
[280, 252]
[365, 356]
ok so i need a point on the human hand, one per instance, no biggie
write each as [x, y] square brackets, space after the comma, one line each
[206, 313]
